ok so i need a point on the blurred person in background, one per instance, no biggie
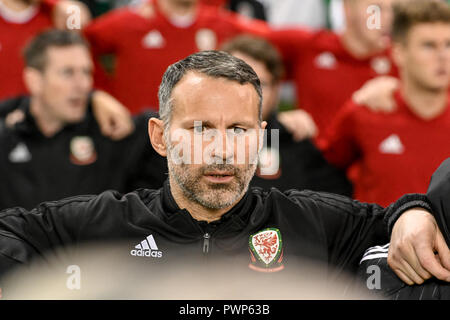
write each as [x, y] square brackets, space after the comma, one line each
[414, 137]
[292, 164]
[146, 39]
[21, 20]
[327, 67]
[55, 148]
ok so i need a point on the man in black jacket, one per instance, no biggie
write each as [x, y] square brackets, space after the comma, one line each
[51, 145]
[210, 109]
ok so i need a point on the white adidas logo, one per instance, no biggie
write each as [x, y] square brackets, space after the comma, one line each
[20, 154]
[376, 253]
[326, 60]
[153, 39]
[147, 248]
[392, 145]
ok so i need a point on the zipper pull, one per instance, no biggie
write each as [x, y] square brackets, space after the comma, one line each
[206, 238]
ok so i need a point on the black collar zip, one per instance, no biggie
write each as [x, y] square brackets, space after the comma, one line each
[206, 238]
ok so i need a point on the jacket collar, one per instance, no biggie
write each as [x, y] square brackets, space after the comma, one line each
[233, 221]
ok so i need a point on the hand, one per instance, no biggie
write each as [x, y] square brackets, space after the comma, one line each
[14, 117]
[418, 250]
[113, 118]
[299, 123]
[377, 94]
[63, 15]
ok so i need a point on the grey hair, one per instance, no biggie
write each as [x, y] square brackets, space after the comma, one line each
[216, 64]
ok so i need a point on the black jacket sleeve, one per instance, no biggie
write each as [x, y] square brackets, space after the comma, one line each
[439, 195]
[27, 234]
[350, 226]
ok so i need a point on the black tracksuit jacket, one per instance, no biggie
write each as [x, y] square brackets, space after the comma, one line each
[390, 285]
[320, 226]
[48, 172]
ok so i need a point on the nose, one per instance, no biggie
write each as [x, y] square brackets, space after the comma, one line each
[222, 147]
[83, 81]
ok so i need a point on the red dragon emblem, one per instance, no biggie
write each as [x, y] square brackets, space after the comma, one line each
[266, 245]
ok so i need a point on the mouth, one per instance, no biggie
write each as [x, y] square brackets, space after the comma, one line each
[441, 72]
[219, 177]
[77, 102]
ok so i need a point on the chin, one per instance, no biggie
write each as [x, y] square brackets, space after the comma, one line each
[75, 119]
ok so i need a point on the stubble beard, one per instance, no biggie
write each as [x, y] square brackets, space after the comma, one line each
[212, 196]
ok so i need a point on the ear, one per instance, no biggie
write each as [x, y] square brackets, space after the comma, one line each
[398, 54]
[33, 80]
[156, 134]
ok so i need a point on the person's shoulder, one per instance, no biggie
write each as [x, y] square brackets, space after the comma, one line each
[115, 198]
[326, 35]
[306, 195]
[325, 40]
[355, 110]
[297, 196]
[107, 201]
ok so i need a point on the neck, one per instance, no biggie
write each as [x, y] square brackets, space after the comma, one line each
[197, 211]
[174, 9]
[425, 103]
[356, 46]
[16, 5]
[47, 124]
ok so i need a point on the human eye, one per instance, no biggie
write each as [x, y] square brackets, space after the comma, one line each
[67, 72]
[428, 45]
[199, 128]
[239, 130]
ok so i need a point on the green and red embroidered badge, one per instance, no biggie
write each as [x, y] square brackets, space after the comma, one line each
[266, 251]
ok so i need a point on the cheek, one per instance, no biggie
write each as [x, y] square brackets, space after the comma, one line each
[185, 147]
[252, 148]
[56, 88]
[52, 95]
[422, 61]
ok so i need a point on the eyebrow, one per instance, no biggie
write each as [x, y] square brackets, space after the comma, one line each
[209, 124]
[242, 123]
